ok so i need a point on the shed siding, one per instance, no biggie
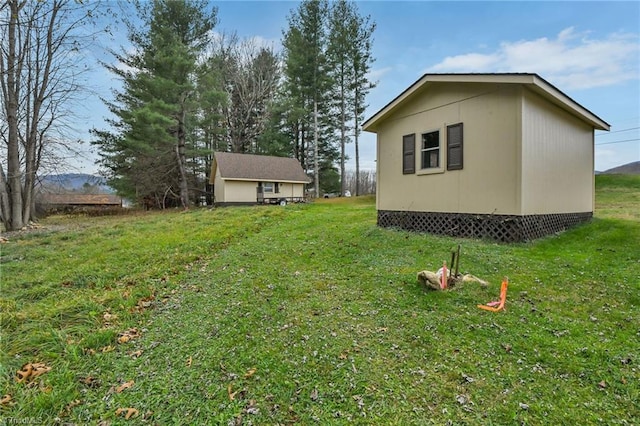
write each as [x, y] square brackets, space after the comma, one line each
[218, 188]
[236, 191]
[291, 190]
[557, 159]
[489, 181]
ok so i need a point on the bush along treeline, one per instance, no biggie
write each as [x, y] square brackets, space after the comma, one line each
[188, 91]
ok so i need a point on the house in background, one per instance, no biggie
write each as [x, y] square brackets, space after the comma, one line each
[256, 179]
[70, 202]
[507, 157]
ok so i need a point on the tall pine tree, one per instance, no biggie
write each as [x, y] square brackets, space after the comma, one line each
[350, 56]
[147, 154]
[361, 63]
[342, 33]
[327, 59]
[307, 83]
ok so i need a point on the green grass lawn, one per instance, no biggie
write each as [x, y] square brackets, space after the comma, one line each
[311, 314]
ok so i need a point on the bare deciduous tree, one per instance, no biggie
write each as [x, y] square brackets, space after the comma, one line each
[39, 77]
[363, 180]
[250, 73]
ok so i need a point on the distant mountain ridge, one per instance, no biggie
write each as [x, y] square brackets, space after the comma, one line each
[632, 168]
[75, 182]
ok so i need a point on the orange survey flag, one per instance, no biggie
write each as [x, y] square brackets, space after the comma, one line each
[498, 305]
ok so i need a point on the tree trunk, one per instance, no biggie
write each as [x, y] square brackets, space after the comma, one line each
[182, 160]
[5, 205]
[42, 66]
[343, 135]
[357, 133]
[13, 219]
[29, 183]
[315, 149]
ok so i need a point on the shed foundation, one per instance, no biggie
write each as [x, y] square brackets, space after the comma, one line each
[501, 228]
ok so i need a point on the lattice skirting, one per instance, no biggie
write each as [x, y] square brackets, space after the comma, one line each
[503, 228]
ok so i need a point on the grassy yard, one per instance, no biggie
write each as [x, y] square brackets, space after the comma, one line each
[310, 314]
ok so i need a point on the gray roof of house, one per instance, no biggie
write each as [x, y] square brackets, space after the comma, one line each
[531, 80]
[258, 168]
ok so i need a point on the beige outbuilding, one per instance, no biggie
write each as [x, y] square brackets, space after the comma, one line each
[503, 156]
[243, 179]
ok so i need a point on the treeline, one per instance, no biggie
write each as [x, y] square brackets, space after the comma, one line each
[188, 91]
[365, 182]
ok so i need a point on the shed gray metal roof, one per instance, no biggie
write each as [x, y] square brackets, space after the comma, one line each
[531, 80]
[262, 168]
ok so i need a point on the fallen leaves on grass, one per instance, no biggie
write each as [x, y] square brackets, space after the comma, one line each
[6, 400]
[189, 361]
[109, 319]
[135, 354]
[125, 385]
[146, 302]
[143, 304]
[252, 408]
[128, 335]
[250, 373]
[358, 399]
[232, 395]
[70, 406]
[106, 349]
[462, 399]
[90, 382]
[30, 371]
[128, 412]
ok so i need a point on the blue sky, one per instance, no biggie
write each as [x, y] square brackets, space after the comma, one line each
[589, 50]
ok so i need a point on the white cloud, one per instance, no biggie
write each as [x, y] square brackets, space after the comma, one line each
[571, 60]
[471, 62]
[376, 74]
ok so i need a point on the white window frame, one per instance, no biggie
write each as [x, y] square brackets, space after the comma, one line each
[439, 168]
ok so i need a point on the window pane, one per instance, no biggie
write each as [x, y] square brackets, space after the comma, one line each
[434, 156]
[430, 159]
[430, 150]
[431, 140]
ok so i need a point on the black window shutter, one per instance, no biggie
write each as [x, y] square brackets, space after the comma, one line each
[454, 147]
[409, 154]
